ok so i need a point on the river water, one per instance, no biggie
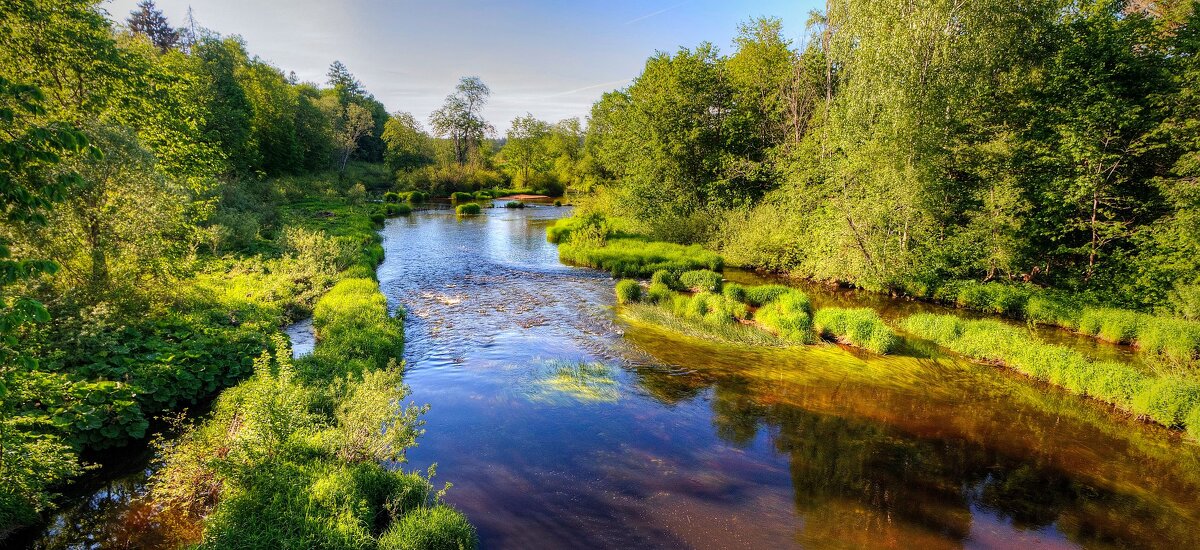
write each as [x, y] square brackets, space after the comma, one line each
[564, 422]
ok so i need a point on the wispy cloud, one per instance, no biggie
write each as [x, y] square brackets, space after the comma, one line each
[654, 13]
[586, 88]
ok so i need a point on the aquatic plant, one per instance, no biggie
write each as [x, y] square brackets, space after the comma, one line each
[764, 294]
[701, 280]
[788, 315]
[658, 293]
[628, 291]
[635, 257]
[417, 197]
[734, 291]
[378, 218]
[1168, 400]
[391, 197]
[459, 197]
[667, 278]
[514, 204]
[859, 327]
[400, 209]
[469, 209]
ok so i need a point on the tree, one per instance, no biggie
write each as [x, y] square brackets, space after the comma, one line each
[407, 144]
[355, 122]
[348, 87]
[148, 20]
[461, 117]
[526, 147]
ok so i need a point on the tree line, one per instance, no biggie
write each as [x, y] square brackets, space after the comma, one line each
[902, 145]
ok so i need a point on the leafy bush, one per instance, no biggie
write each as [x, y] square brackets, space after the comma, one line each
[469, 209]
[391, 197]
[701, 280]
[459, 196]
[628, 291]
[558, 203]
[417, 197]
[514, 204]
[789, 316]
[436, 528]
[860, 327]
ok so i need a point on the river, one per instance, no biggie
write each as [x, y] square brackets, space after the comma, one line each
[563, 422]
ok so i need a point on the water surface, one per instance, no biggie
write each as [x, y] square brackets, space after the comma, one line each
[563, 423]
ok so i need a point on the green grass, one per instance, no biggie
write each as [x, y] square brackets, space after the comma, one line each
[761, 295]
[628, 291]
[417, 197]
[789, 316]
[859, 327]
[459, 196]
[1168, 400]
[636, 257]
[469, 209]
[398, 209]
[701, 280]
[514, 204]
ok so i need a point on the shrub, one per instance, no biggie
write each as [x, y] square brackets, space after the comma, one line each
[628, 291]
[701, 280]
[436, 528]
[514, 204]
[417, 197]
[666, 278]
[469, 209]
[391, 197]
[708, 308]
[378, 218]
[459, 196]
[557, 203]
[860, 327]
[789, 316]
[1168, 400]
[764, 294]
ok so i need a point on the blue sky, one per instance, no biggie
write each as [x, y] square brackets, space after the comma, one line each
[549, 58]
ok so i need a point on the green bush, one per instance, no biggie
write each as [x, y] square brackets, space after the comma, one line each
[484, 194]
[789, 316]
[378, 218]
[735, 292]
[417, 197]
[459, 197]
[708, 308]
[701, 280]
[628, 291]
[514, 204]
[436, 528]
[469, 209]
[860, 327]
[557, 203]
[391, 197]
[667, 278]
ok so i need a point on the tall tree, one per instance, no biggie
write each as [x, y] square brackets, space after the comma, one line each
[461, 117]
[408, 145]
[149, 21]
[355, 122]
[526, 147]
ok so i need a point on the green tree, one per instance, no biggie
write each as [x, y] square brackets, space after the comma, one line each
[461, 118]
[526, 149]
[147, 20]
[407, 145]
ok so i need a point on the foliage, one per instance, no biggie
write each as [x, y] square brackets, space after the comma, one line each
[789, 316]
[461, 197]
[859, 327]
[514, 204]
[436, 528]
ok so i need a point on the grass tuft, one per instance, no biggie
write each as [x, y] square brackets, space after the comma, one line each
[859, 327]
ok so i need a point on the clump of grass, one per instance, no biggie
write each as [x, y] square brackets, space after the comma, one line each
[1193, 422]
[417, 197]
[701, 280]
[397, 209]
[761, 295]
[788, 315]
[593, 229]
[735, 291]
[436, 528]
[667, 278]
[459, 196]
[1113, 325]
[514, 204]
[628, 291]
[469, 209]
[391, 197]
[659, 293]
[859, 327]
[1173, 341]
[1049, 308]
[1168, 400]
[483, 194]
[557, 203]
[377, 218]
[635, 257]
[708, 308]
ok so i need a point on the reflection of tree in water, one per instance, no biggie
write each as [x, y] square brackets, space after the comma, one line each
[859, 478]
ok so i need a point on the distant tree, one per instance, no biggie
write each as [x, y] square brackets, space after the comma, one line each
[355, 123]
[526, 146]
[344, 82]
[407, 144]
[461, 117]
[149, 21]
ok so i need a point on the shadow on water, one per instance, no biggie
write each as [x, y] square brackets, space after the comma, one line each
[565, 422]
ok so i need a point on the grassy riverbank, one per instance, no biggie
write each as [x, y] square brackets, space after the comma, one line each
[293, 457]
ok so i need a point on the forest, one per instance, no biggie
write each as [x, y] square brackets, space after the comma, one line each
[169, 202]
